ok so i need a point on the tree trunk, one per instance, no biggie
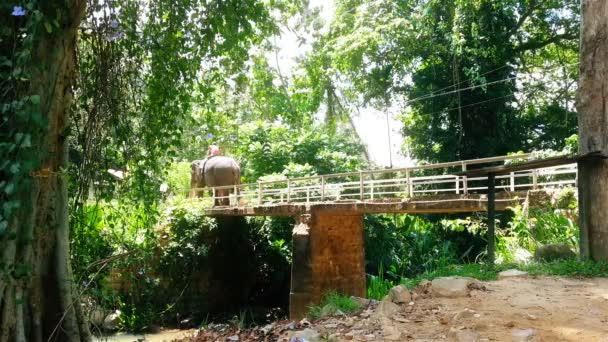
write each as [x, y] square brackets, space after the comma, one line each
[37, 301]
[592, 105]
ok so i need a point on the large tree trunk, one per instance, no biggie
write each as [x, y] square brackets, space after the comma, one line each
[38, 301]
[592, 107]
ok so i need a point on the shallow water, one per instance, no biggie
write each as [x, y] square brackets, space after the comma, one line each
[163, 336]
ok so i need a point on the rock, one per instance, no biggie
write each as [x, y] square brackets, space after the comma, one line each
[512, 273]
[463, 335]
[386, 308]
[363, 302]
[290, 326]
[464, 314]
[233, 338]
[305, 335]
[370, 337]
[531, 317]
[553, 252]
[453, 287]
[268, 328]
[389, 331]
[331, 326]
[400, 295]
[349, 321]
[304, 322]
[110, 323]
[522, 335]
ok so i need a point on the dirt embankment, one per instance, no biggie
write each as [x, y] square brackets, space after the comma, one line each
[512, 309]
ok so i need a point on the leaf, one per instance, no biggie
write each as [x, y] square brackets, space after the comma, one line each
[48, 27]
[35, 99]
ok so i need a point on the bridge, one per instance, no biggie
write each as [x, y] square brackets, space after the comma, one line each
[328, 248]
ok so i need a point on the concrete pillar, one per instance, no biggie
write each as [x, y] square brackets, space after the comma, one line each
[328, 255]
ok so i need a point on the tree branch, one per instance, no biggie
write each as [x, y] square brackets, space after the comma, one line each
[537, 44]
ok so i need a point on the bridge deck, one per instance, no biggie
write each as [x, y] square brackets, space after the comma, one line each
[444, 203]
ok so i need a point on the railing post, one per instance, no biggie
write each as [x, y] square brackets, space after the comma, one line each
[512, 181]
[307, 194]
[535, 179]
[408, 185]
[236, 196]
[361, 186]
[213, 196]
[457, 185]
[288, 190]
[465, 181]
[322, 188]
[259, 193]
[371, 183]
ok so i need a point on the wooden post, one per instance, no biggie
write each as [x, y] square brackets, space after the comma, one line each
[457, 185]
[491, 212]
[288, 190]
[593, 130]
[535, 179]
[512, 181]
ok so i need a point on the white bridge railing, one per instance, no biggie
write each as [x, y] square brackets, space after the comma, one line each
[388, 184]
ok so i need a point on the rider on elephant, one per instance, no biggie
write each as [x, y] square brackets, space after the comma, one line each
[215, 170]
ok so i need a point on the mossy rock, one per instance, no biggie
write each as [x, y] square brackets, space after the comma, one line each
[553, 252]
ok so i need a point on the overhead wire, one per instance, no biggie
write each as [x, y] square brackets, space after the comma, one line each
[433, 95]
[482, 102]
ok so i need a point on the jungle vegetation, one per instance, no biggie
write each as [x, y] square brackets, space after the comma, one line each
[145, 86]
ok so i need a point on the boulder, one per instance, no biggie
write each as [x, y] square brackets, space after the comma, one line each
[553, 252]
[110, 323]
[386, 308]
[512, 273]
[400, 295]
[453, 287]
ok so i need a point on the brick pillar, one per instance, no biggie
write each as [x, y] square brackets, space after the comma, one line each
[328, 254]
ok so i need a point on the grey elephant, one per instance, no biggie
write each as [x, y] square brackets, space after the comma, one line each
[215, 171]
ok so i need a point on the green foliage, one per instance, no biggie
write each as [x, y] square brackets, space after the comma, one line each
[454, 64]
[266, 149]
[564, 268]
[526, 231]
[331, 304]
[378, 286]
[411, 245]
[178, 177]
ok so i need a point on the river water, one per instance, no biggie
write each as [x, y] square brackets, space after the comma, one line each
[162, 336]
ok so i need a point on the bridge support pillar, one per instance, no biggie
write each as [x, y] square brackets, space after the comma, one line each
[328, 255]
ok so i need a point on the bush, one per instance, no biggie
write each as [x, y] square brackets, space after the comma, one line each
[331, 304]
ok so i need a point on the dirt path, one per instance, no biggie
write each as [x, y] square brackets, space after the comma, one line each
[532, 309]
[516, 309]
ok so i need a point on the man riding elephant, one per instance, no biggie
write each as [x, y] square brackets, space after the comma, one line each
[215, 170]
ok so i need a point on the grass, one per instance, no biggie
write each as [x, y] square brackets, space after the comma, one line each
[331, 304]
[567, 268]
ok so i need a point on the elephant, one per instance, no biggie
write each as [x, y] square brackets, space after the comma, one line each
[215, 171]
